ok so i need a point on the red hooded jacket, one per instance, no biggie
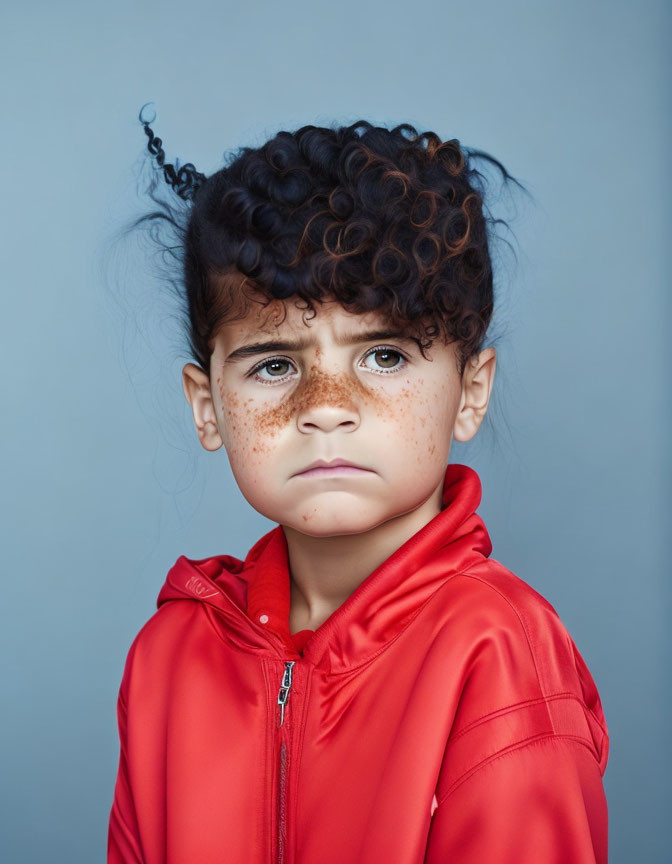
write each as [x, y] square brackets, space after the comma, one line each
[441, 714]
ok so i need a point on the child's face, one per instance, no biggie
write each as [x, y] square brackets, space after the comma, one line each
[389, 411]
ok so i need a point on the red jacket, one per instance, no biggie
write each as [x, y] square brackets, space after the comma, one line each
[441, 714]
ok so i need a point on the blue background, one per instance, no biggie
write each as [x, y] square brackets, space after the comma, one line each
[104, 481]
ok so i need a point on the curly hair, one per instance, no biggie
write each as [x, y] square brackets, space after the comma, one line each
[378, 219]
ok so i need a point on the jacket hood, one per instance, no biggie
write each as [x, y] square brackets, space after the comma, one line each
[379, 608]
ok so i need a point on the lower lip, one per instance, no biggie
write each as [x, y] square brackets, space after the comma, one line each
[331, 472]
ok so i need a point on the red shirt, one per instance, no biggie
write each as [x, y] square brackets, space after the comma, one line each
[268, 596]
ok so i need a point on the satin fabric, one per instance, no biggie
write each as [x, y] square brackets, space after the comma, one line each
[441, 714]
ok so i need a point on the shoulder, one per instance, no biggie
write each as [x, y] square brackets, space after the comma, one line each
[498, 606]
[159, 642]
[521, 667]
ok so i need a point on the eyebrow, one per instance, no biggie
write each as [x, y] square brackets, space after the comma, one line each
[300, 344]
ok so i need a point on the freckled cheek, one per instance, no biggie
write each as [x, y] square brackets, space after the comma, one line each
[437, 428]
[234, 421]
[415, 422]
[241, 439]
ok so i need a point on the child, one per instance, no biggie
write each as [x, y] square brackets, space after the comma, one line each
[368, 686]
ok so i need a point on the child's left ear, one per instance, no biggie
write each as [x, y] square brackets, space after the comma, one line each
[196, 385]
[477, 381]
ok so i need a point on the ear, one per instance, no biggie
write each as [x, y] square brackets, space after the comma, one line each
[196, 385]
[477, 381]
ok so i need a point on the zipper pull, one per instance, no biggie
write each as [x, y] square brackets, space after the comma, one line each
[285, 686]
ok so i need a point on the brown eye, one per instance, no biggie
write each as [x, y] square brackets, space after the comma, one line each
[385, 360]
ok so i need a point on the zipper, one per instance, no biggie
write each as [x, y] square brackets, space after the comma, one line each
[285, 687]
[283, 761]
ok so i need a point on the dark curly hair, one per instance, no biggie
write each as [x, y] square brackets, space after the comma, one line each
[378, 219]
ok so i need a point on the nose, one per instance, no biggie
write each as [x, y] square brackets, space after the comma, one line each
[326, 418]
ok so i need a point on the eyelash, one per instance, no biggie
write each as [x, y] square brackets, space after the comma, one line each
[255, 369]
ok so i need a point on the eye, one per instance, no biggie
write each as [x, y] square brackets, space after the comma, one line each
[386, 360]
[276, 368]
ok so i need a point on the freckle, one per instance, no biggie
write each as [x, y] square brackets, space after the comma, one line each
[320, 388]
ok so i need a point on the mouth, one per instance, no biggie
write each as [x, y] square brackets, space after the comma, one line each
[322, 468]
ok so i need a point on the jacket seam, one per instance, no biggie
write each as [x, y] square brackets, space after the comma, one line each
[515, 706]
[551, 736]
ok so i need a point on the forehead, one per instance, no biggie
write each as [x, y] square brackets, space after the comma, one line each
[290, 318]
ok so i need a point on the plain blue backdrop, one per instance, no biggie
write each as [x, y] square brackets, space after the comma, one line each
[104, 481]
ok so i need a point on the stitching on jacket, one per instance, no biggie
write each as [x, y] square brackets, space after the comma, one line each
[550, 736]
[516, 706]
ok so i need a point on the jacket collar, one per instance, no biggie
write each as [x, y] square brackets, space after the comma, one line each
[379, 608]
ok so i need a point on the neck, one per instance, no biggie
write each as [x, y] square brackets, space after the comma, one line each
[324, 571]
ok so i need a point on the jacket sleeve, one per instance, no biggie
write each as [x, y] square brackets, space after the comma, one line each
[123, 843]
[541, 802]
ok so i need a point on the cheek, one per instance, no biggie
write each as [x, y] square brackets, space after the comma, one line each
[248, 446]
[419, 419]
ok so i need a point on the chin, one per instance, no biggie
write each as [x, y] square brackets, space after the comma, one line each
[332, 522]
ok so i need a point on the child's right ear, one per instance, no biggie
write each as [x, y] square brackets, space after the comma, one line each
[196, 385]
